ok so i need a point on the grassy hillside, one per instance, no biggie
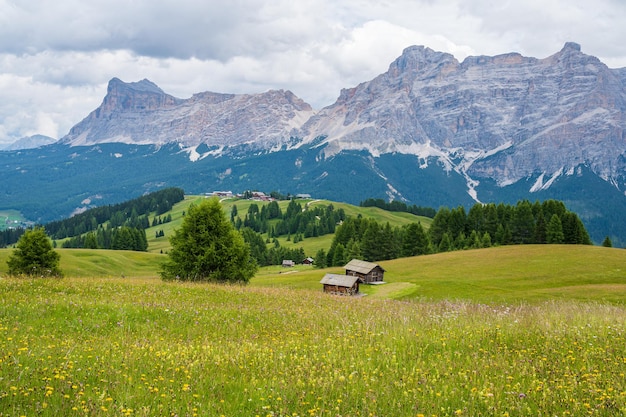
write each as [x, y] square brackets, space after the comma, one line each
[502, 275]
[100, 263]
[508, 274]
[143, 347]
[310, 245]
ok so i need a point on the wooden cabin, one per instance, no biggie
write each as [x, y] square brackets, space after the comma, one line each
[341, 284]
[288, 263]
[368, 272]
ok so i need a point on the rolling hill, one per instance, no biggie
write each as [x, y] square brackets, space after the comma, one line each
[502, 275]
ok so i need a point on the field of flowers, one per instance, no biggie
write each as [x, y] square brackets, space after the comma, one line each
[142, 347]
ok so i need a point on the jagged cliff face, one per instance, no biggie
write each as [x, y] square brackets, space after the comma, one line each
[503, 118]
[141, 113]
[506, 117]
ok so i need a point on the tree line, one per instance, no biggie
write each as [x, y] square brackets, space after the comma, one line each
[399, 206]
[485, 225]
[133, 213]
[10, 236]
[119, 238]
[275, 254]
[295, 221]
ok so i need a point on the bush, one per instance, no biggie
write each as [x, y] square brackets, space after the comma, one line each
[208, 248]
[34, 256]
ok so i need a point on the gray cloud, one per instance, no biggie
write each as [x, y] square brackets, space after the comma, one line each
[57, 57]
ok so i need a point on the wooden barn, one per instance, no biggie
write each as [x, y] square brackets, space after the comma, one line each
[368, 272]
[341, 284]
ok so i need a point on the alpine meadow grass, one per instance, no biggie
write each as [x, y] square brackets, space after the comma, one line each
[144, 347]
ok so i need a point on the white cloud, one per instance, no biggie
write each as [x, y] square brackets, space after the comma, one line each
[57, 57]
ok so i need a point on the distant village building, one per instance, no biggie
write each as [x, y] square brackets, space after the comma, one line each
[303, 196]
[261, 196]
[288, 263]
[341, 284]
[308, 261]
[368, 272]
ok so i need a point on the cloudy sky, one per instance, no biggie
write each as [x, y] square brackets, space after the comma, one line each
[56, 58]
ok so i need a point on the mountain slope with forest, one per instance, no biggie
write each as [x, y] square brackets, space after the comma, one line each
[430, 131]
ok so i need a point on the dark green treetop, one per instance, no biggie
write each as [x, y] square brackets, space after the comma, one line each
[34, 255]
[208, 248]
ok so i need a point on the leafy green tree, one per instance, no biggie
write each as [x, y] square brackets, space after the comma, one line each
[34, 255]
[607, 242]
[208, 248]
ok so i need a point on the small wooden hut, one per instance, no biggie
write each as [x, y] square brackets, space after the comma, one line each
[341, 284]
[368, 272]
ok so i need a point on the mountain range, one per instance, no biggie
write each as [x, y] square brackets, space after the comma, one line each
[29, 142]
[429, 131]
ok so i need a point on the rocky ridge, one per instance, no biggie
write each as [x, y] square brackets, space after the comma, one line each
[141, 113]
[504, 118]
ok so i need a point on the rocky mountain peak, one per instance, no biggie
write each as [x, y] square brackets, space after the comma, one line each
[421, 60]
[571, 46]
[116, 85]
[141, 113]
[134, 96]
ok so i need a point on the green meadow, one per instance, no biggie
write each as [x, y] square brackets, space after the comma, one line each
[138, 346]
[507, 331]
[517, 331]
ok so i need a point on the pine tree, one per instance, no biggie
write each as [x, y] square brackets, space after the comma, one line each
[370, 244]
[339, 258]
[446, 244]
[414, 240]
[320, 259]
[554, 231]
[353, 250]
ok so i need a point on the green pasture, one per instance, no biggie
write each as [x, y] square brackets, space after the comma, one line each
[500, 275]
[100, 263]
[507, 274]
[143, 347]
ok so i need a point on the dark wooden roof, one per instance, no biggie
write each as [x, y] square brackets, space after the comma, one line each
[340, 280]
[362, 267]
